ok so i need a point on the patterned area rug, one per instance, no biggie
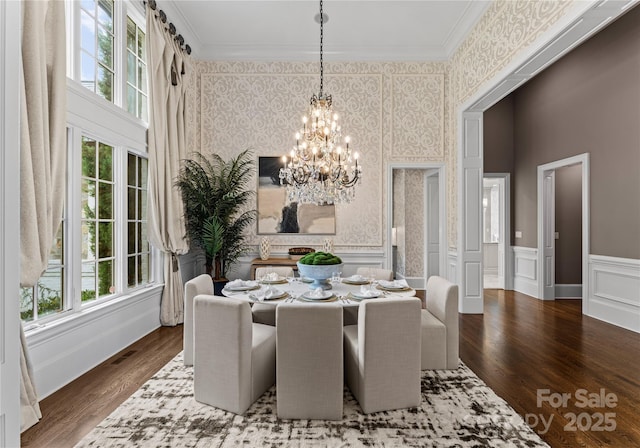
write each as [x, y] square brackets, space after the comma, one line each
[458, 410]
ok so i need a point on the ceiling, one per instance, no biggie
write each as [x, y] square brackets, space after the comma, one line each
[357, 30]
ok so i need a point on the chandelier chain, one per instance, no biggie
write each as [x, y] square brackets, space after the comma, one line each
[321, 53]
[321, 168]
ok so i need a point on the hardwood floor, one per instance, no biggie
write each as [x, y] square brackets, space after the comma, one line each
[519, 346]
[72, 412]
[522, 345]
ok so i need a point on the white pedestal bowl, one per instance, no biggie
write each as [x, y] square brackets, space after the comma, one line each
[319, 273]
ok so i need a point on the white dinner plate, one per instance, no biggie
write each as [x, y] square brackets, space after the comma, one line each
[312, 295]
[355, 280]
[274, 281]
[366, 295]
[393, 286]
[245, 287]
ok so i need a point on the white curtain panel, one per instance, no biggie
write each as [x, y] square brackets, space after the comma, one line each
[42, 157]
[167, 148]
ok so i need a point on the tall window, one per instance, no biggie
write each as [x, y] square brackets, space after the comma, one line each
[138, 255]
[101, 251]
[136, 71]
[98, 219]
[96, 47]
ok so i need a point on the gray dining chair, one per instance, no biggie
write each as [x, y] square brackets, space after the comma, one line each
[235, 359]
[309, 378]
[439, 325]
[376, 273]
[382, 354]
[264, 313]
[202, 284]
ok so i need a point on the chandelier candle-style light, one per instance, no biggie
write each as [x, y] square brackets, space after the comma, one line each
[321, 168]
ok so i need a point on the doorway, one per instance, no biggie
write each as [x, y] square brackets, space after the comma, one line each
[548, 176]
[496, 231]
[416, 243]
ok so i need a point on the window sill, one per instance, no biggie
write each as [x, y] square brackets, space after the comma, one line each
[37, 333]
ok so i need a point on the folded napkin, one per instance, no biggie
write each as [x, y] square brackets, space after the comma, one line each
[365, 292]
[395, 284]
[271, 293]
[355, 280]
[318, 292]
[239, 283]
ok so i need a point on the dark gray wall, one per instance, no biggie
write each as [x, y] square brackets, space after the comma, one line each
[568, 200]
[498, 141]
[587, 102]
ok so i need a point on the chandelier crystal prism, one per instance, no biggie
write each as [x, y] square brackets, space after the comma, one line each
[321, 168]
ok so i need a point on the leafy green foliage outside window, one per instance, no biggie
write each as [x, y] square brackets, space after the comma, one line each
[97, 47]
[98, 220]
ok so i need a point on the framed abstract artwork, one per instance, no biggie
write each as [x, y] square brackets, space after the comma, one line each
[278, 216]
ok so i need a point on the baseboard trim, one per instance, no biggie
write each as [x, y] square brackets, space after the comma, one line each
[568, 291]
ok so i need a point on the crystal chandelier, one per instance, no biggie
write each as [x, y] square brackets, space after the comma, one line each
[321, 168]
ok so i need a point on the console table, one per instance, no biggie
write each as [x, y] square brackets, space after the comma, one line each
[257, 262]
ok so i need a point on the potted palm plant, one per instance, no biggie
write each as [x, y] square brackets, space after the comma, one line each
[215, 194]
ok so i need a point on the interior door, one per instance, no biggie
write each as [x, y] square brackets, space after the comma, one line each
[548, 240]
[502, 234]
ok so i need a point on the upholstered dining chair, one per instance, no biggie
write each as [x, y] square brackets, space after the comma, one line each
[266, 314]
[202, 284]
[376, 273]
[310, 374]
[351, 313]
[439, 325]
[382, 354]
[235, 359]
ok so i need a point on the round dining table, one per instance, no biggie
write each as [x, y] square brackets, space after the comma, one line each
[344, 292]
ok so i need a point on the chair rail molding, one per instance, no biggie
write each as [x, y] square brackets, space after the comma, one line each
[614, 291]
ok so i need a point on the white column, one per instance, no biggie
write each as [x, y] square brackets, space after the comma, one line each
[469, 265]
[10, 60]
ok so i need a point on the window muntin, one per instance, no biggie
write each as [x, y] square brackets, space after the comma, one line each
[47, 296]
[97, 43]
[98, 220]
[136, 96]
[138, 249]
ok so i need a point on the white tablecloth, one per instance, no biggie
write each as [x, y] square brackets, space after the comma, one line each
[295, 289]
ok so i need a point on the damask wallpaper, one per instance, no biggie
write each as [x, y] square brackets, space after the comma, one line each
[504, 31]
[393, 111]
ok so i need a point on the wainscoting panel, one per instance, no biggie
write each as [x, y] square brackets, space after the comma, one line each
[452, 267]
[614, 293]
[525, 270]
[65, 349]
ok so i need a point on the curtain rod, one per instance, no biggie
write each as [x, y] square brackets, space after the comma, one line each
[172, 29]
